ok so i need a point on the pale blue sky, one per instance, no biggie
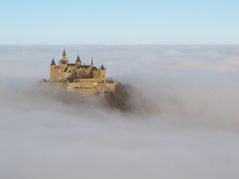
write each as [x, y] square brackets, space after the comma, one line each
[119, 22]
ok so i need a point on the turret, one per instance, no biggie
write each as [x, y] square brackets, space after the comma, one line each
[78, 61]
[52, 70]
[92, 62]
[102, 73]
[64, 59]
[53, 62]
[102, 67]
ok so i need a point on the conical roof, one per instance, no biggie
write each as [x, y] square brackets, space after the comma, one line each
[92, 61]
[53, 62]
[64, 53]
[78, 58]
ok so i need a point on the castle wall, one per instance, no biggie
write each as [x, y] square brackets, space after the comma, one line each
[91, 88]
[101, 75]
[84, 73]
[56, 74]
[89, 80]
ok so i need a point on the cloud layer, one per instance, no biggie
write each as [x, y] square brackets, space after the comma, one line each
[184, 123]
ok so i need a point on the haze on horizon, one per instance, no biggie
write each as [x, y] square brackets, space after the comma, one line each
[119, 22]
[184, 124]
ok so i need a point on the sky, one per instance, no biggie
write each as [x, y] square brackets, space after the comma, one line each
[119, 22]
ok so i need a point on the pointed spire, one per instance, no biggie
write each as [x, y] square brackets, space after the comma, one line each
[102, 67]
[53, 62]
[92, 62]
[64, 53]
[78, 58]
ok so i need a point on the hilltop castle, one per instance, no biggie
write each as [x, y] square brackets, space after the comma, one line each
[79, 77]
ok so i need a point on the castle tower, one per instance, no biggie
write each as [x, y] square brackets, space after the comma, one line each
[102, 73]
[52, 70]
[78, 61]
[64, 59]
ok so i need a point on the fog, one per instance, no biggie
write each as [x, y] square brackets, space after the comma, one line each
[183, 123]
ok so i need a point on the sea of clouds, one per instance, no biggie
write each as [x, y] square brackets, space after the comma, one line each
[184, 121]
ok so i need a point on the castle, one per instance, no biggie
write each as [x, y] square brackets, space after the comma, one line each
[80, 78]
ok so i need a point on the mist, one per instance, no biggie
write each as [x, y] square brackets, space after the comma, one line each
[183, 121]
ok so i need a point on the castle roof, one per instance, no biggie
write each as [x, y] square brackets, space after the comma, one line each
[78, 59]
[53, 62]
[70, 64]
[92, 62]
[102, 67]
[85, 66]
[94, 68]
[64, 53]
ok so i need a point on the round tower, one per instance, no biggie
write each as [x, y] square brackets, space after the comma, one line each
[52, 70]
